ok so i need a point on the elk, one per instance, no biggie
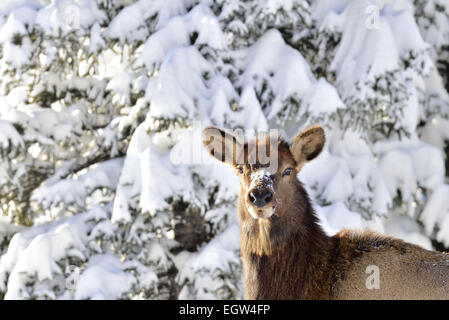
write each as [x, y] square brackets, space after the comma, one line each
[284, 250]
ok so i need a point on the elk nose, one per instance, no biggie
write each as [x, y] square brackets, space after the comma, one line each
[260, 198]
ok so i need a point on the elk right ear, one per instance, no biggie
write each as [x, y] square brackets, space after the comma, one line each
[307, 145]
[222, 145]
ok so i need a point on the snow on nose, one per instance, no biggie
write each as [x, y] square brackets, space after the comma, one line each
[261, 190]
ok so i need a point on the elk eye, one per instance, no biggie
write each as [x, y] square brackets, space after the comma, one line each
[240, 170]
[287, 172]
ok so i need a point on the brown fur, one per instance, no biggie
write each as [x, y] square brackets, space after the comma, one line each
[288, 256]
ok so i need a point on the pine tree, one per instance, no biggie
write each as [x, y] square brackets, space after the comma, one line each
[105, 188]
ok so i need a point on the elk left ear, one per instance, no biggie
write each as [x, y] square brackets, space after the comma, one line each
[307, 145]
[223, 145]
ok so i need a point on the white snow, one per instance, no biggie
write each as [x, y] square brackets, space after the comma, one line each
[178, 83]
[220, 251]
[399, 159]
[9, 135]
[68, 16]
[335, 217]
[436, 209]
[12, 27]
[161, 179]
[76, 189]
[130, 179]
[148, 76]
[128, 25]
[103, 278]
[34, 252]
[121, 86]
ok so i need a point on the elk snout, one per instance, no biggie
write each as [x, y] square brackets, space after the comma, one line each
[260, 197]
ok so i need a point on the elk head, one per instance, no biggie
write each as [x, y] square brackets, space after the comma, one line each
[267, 166]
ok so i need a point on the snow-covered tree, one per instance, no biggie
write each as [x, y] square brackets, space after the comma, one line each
[105, 188]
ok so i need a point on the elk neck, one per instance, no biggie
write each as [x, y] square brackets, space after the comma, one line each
[286, 252]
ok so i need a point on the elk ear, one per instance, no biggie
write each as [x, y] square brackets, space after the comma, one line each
[307, 145]
[222, 145]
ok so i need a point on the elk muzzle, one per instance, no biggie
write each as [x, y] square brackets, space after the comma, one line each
[261, 196]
